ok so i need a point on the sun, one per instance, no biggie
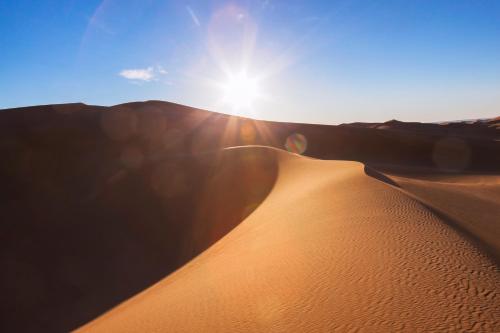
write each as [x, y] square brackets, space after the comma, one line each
[240, 91]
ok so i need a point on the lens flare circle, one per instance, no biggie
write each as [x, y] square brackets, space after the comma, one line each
[296, 143]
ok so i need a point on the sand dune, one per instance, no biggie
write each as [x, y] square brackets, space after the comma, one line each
[69, 259]
[330, 249]
[469, 202]
[159, 217]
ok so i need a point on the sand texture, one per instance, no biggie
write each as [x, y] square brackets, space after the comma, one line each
[155, 217]
[330, 249]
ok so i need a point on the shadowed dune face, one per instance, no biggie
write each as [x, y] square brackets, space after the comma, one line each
[100, 203]
[238, 181]
[84, 229]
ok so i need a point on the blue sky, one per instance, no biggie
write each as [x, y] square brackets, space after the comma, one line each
[313, 61]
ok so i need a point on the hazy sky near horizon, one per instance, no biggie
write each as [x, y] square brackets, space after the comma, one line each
[312, 61]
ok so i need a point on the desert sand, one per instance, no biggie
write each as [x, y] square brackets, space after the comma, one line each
[330, 249]
[154, 217]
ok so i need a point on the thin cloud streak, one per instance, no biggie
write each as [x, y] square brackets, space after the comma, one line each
[193, 16]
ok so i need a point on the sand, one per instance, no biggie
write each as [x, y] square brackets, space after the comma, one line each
[157, 217]
[329, 249]
[468, 202]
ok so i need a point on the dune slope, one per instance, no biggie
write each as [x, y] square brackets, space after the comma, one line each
[470, 202]
[69, 254]
[329, 249]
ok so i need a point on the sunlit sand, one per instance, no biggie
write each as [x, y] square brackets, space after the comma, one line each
[330, 249]
[156, 217]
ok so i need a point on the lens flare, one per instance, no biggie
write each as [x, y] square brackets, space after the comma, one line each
[296, 143]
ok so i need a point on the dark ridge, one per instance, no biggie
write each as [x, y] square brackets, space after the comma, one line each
[481, 129]
[379, 176]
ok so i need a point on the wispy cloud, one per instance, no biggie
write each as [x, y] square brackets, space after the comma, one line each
[193, 16]
[143, 74]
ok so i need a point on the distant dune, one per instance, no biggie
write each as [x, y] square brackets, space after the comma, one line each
[159, 217]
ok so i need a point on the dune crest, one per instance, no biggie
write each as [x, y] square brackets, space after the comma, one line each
[329, 249]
